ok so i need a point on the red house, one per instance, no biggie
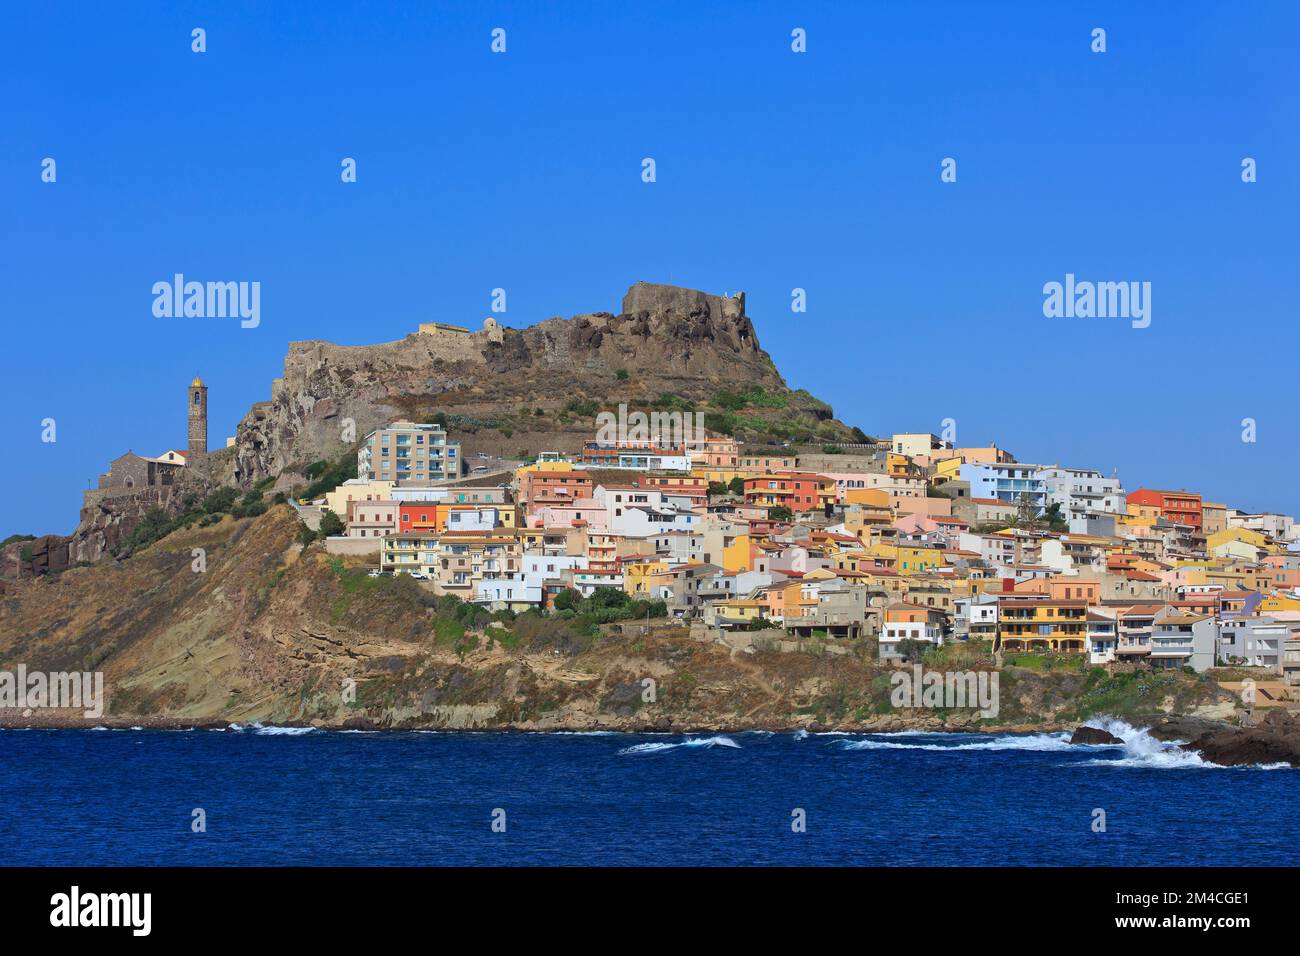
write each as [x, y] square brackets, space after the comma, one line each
[1178, 507]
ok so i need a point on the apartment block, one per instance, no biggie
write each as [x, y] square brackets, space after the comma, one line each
[408, 453]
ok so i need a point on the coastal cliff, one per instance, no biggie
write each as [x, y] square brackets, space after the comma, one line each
[271, 632]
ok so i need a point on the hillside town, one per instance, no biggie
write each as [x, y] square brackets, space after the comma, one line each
[908, 542]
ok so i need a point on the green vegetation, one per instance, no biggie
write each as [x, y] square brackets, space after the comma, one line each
[1134, 692]
[780, 513]
[330, 524]
[608, 604]
[1047, 662]
[911, 651]
[752, 397]
[621, 374]
[157, 523]
[219, 500]
[17, 537]
[249, 506]
[326, 477]
[582, 407]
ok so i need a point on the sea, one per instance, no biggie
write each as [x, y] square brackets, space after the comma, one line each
[254, 795]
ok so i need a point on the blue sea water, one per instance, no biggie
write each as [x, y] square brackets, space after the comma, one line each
[279, 797]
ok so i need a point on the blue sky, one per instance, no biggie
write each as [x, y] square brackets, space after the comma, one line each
[776, 170]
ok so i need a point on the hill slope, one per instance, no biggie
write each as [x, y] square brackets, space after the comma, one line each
[272, 633]
[509, 390]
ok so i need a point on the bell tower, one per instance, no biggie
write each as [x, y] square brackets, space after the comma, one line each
[196, 399]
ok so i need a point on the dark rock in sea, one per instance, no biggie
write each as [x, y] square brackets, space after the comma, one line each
[1183, 728]
[663, 723]
[1275, 740]
[1094, 735]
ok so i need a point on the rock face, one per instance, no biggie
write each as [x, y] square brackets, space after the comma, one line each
[665, 340]
[1093, 736]
[1275, 740]
[1182, 727]
[48, 554]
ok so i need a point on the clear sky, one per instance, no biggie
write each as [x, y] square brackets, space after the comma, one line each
[775, 170]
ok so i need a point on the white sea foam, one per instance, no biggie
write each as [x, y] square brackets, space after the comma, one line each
[705, 742]
[999, 742]
[282, 731]
[1138, 750]
[1143, 751]
[801, 734]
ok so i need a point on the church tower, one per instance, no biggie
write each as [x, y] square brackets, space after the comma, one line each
[196, 398]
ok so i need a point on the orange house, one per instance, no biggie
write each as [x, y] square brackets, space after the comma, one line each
[1178, 507]
[796, 490]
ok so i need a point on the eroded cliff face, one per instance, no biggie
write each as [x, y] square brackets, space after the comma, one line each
[666, 339]
[267, 631]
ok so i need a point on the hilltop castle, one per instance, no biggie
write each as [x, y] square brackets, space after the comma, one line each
[491, 330]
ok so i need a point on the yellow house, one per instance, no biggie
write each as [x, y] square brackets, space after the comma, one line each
[870, 497]
[357, 490]
[543, 466]
[1036, 625]
[737, 611]
[1139, 515]
[722, 476]
[909, 559]
[1276, 602]
[736, 556]
[640, 578]
[949, 469]
[1238, 543]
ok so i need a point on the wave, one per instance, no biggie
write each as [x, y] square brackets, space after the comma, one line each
[1142, 751]
[705, 742]
[282, 731]
[801, 734]
[1039, 742]
[1138, 749]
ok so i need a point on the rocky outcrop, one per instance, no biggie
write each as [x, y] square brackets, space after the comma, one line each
[665, 340]
[48, 554]
[1093, 736]
[1275, 740]
[109, 515]
[1178, 727]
